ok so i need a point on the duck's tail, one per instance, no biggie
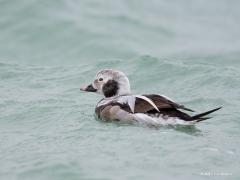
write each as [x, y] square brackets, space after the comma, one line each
[201, 116]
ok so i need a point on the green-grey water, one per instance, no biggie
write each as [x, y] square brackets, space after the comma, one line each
[188, 50]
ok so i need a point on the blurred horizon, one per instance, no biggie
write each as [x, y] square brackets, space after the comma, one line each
[72, 31]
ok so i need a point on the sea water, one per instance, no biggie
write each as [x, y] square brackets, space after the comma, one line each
[188, 50]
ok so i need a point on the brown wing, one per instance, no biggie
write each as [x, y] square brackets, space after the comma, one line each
[164, 105]
[142, 106]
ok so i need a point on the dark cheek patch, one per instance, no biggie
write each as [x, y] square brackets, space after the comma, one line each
[110, 88]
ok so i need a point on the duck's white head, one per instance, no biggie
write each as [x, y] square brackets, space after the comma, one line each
[110, 83]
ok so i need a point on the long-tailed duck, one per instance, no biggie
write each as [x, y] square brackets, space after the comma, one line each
[119, 104]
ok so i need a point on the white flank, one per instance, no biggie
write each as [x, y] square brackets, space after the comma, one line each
[145, 119]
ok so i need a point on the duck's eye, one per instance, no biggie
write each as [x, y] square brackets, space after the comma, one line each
[100, 79]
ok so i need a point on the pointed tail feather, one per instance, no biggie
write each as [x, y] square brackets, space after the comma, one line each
[200, 117]
[203, 119]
